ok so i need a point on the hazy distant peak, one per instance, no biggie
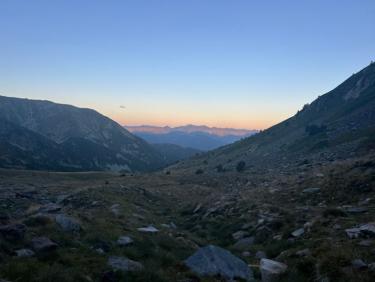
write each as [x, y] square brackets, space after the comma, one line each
[190, 128]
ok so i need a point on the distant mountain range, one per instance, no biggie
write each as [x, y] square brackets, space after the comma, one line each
[200, 137]
[44, 135]
[337, 125]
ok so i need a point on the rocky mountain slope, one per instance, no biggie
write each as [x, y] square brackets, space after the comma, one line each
[337, 125]
[46, 135]
[202, 137]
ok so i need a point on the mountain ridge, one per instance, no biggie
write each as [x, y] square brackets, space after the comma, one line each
[88, 139]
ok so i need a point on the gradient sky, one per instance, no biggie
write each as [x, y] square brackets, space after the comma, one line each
[229, 63]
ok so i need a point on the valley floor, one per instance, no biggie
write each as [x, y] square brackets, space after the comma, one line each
[68, 225]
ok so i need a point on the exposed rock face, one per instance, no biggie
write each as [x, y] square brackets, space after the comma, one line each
[271, 270]
[67, 223]
[215, 261]
[124, 264]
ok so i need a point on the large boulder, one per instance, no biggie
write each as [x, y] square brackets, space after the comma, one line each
[67, 223]
[43, 245]
[215, 261]
[271, 270]
[124, 264]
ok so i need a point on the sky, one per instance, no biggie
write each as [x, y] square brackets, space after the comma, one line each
[226, 63]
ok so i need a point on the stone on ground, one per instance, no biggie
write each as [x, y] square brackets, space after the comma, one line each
[272, 270]
[215, 261]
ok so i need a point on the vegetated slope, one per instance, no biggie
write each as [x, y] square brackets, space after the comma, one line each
[202, 138]
[82, 139]
[337, 125]
[172, 153]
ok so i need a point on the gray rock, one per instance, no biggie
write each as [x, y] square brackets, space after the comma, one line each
[50, 208]
[311, 190]
[359, 264]
[365, 230]
[13, 232]
[246, 254]
[43, 245]
[148, 229]
[260, 255]
[67, 223]
[272, 270]
[303, 253]
[124, 264]
[240, 234]
[355, 210]
[244, 244]
[124, 241]
[116, 210]
[215, 261]
[368, 229]
[298, 232]
[353, 232]
[24, 253]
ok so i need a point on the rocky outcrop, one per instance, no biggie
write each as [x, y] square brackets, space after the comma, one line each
[215, 261]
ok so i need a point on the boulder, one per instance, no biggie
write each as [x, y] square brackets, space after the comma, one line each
[244, 244]
[67, 223]
[311, 190]
[353, 232]
[13, 232]
[298, 232]
[148, 229]
[124, 264]
[124, 241]
[240, 234]
[24, 253]
[50, 208]
[43, 245]
[215, 261]
[272, 270]
[359, 264]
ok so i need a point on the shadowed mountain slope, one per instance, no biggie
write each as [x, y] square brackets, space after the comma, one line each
[72, 138]
[336, 125]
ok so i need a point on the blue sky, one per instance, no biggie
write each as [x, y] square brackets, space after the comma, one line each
[237, 63]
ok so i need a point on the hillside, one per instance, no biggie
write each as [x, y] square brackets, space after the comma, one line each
[70, 138]
[337, 125]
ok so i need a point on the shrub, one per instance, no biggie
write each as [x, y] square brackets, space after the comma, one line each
[220, 168]
[240, 166]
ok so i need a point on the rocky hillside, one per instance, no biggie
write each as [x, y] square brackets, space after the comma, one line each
[335, 126]
[46, 135]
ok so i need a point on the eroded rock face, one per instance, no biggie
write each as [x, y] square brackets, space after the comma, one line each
[271, 270]
[124, 264]
[215, 261]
